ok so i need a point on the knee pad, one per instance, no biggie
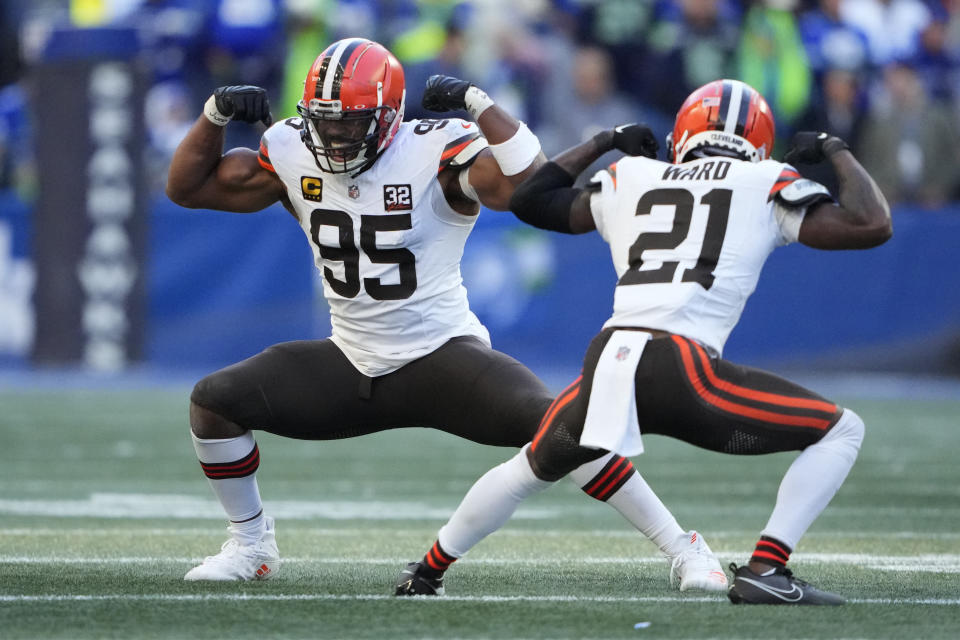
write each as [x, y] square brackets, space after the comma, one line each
[220, 391]
[845, 437]
[558, 453]
[849, 428]
[218, 397]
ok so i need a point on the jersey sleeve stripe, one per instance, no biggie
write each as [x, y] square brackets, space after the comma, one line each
[786, 177]
[612, 170]
[462, 151]
[264, 158]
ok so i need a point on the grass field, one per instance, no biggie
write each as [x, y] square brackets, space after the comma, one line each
[104, 508]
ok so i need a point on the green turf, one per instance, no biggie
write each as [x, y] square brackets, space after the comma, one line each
[104, 508]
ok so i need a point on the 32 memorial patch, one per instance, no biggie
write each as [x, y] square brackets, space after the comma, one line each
[397, 197]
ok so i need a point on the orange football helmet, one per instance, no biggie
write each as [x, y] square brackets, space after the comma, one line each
[722, 118]
[352, 105]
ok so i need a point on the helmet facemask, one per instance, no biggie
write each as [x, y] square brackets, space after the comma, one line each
[344, 141]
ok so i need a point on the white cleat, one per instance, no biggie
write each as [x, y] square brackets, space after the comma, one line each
[696, 567]
[237, 561]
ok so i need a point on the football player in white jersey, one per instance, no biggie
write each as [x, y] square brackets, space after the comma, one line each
[688, 241]
[386, 207]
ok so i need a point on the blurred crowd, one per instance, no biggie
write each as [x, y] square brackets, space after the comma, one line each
[882, 74]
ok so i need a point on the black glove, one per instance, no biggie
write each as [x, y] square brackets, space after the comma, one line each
[635, 140]
[445, 93]
[811, 147]
[244, 102]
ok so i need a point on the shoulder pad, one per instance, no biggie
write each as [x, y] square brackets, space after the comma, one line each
[596, 183]
[263, 156]
[794, 190]
[461, 152]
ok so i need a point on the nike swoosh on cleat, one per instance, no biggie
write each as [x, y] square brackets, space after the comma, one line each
[780, 593]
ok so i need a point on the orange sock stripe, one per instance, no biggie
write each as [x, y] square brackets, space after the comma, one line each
[773, 548]
[612, 467]
[437, 559]
[566, 397]
[433, 562]
[616, 483]
[759, 396]
[768, 556]
[238, 469]
[441, 554]
[740, 409]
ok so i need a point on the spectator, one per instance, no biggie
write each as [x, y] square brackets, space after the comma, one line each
[935, 61]
[306, 23]
[910, 142]
[891, 26]
[589, 105]
[839, 110]
[622, 27]
[771, 58]
[830, 42]
[448, 61]
[687, 52]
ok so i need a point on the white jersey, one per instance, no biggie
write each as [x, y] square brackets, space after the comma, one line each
[689, 240]
[386, 242]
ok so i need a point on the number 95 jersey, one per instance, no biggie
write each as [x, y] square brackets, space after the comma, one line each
[689, 240]
[386, 242]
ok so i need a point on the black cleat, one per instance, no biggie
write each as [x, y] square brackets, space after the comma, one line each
[779, 587]
[419, 580]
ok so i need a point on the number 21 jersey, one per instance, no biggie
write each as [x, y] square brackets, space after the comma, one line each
[689, 240]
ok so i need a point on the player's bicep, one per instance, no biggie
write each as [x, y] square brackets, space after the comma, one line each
[827, 225]
[491, 186]
[493, 189]
[239, 184]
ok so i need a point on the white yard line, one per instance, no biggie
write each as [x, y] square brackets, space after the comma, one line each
[411, 531]
[230, 597]
[183, 506]
[938, 563]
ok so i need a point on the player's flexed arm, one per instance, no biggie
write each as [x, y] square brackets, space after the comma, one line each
[203, 177]
[861, 217]
[514, 153]
[548, 201]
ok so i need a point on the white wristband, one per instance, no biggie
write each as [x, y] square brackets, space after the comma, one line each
[477, 101]
[213, 114]
[517, 153]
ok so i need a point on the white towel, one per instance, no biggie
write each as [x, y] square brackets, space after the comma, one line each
[611, 422]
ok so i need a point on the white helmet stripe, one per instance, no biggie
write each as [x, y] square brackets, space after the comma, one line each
[733, 113]
[332, 65]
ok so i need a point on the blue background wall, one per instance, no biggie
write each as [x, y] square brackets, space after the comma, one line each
[223, 286]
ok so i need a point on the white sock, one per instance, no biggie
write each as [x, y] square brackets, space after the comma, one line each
[635, 501]
[813, 479]
[489, 504]
[230, 465]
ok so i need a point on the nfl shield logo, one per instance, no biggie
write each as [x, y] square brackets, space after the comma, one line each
[353, 191]
[622, 353]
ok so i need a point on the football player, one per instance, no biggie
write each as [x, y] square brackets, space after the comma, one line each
[688, 240]
[386, 207]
